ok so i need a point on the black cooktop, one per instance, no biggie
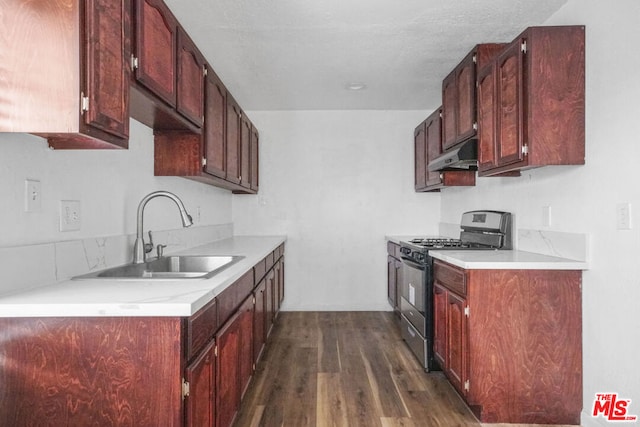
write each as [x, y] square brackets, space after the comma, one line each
[437, 242]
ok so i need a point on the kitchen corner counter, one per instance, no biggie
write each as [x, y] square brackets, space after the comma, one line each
[506, 260]
[164, 298]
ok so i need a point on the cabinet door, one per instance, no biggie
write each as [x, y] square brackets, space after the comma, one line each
[486, 118]
[106, 67]
[456, 355]
[245, 152]
[420, 156]
[214, 126]
[156, 48]
[449, 106]
[255, 159]
[434, 146]
[246, 343]
[259, 316]
[269, 303]
[227, 372]
[277, 270]
[440, 324]
[281, 283]
[466, 98]
[190, 85]
[392, 278]
[201, 376]
[234, 115]
[509, 104]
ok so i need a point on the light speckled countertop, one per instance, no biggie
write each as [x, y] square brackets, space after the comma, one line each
[505, 260]
[499, 259]
[107, 297]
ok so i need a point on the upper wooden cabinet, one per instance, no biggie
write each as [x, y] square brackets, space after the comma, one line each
[65, 72]
[191, 75]
[532, 102]
[249, 149]
[420, 156]
[255, 159]
[156, 47]
[428, 146]
[168, 93]
[245, 152]
[459, 95]
[234, 142]
[210, 157]
[215, 134]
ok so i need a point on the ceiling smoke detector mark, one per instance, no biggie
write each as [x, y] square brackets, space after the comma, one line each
[70, 218]
[32, 195]
[355, 86]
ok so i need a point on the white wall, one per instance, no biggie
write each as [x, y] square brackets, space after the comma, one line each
[584, 199]
[336, 183]
[108, 183]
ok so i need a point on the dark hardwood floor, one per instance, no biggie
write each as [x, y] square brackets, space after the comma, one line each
[346, 369]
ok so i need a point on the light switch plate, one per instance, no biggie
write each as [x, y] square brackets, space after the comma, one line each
[32, 195]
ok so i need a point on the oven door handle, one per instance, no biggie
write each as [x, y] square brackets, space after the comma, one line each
[413, 264]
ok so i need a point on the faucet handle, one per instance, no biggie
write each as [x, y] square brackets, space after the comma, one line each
[160, 249]
[148, 247]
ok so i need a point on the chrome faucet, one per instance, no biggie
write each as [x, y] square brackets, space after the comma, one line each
[140, 248]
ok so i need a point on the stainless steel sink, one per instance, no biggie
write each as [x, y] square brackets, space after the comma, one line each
[168, 268]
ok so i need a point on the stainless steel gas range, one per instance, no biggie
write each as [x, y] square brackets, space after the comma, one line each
[479, 230]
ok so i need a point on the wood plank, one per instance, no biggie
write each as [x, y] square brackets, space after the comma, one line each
[331, 401]
[347, 369]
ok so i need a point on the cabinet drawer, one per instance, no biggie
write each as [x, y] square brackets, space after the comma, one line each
[229, 299]
[201, 327]
[270, 260]
[450, 277]
[227, 302]
[259, 270]
[244, 286]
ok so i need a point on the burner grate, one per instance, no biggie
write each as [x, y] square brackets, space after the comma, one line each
[437, 242]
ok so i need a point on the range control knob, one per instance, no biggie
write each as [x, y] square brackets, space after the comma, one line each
[419, 256]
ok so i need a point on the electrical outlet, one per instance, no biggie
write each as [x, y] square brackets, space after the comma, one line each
[32, 195]
[70, 218]
[623, 216]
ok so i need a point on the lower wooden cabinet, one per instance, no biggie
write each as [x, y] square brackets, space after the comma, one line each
[269, 301]
[141, 371]
[278, 286]
[245, 349]
[510, 342]
[227, 372]
[393, 272]
[259, 316]
[91, 371]
[200, 408]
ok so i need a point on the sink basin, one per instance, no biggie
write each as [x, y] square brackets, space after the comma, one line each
[168, 268]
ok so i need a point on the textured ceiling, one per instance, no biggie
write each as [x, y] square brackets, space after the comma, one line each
[300, 54]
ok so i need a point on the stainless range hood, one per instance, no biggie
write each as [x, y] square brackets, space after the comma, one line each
[464, 156]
